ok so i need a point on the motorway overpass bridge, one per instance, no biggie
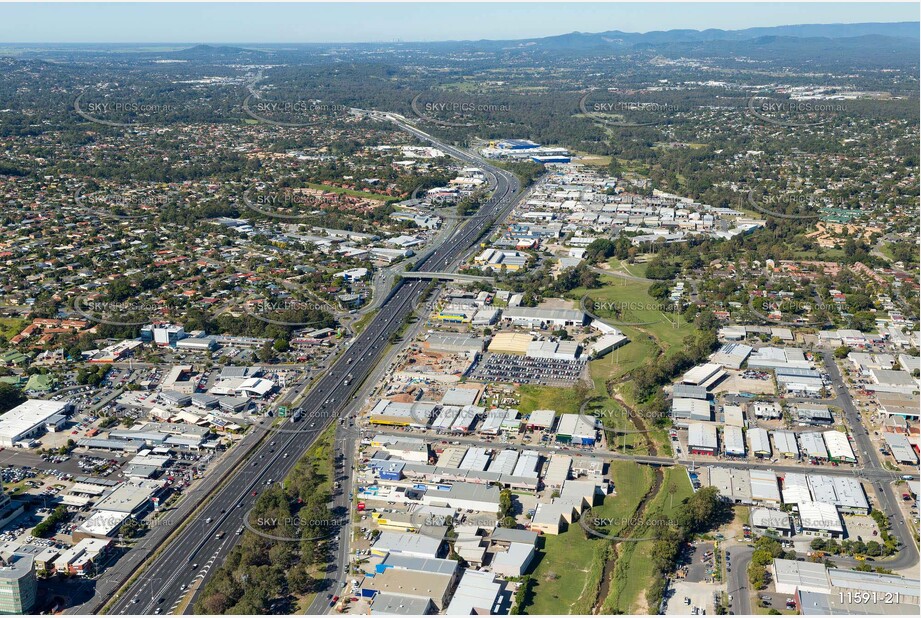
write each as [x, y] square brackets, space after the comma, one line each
[446, 276]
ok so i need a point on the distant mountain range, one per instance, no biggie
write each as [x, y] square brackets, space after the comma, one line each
[616, 38]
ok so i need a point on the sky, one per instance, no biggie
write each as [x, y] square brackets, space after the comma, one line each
[223, 22]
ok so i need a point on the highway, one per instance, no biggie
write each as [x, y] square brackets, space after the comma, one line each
[195, 551]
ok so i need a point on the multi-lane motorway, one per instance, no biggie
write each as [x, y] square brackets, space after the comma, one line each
[196, 550]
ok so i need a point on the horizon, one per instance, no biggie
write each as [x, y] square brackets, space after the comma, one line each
[222, 23]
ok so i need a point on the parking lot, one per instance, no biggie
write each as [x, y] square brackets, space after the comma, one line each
[527, 370]
[683, 597]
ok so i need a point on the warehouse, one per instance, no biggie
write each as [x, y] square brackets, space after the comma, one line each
[686, 391]
[510, 343]
[561, 350]
[575, 429]
[28, 420]
[839, 447]
[704, 375]
[901, 448]
[466, 419]
[733, 485]
[476, 459]
[820, 519]
[541, 420]
[813, 414]
[733, 415]
[759, 442]
[770, 522]
[764, 488]
[785, 444]
[892, 381]
[733, 441]
[557, 471]
[465, 496]
[537, 317]
[731, 355]
[445, 418]
[460, 397]
[528, 462]
[812, 445]
[845, 493]
[416, 414]
[691, 409]
[796, 489]
[455, 343]
[504, 462]
[408, 544]
[478, 593]
[702, 439]
[792, 577]
[494, 420]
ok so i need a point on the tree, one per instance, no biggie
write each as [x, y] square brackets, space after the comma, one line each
[842, 351]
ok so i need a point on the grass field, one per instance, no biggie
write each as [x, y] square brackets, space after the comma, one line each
[633, 572]
[563, 400]
[10, 327]
[570, 565]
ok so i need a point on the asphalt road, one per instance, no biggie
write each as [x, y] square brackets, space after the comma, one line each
[737, 580]
[873, 469]
[200, 547]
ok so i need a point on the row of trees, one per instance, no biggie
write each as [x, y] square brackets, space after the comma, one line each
[264, 572]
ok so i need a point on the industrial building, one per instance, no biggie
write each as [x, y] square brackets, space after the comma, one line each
[733, 441]
[704, 375]
[759, 442]
[702, 439]
[536, 317]
[575, 429]
[839, 447]
[785, 444]
[691, 409]
[770, 522]
[901, 448]
[31, 419]
[820, 519]
[812, 445]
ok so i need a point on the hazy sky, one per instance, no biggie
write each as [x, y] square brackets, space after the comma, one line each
[356, 22]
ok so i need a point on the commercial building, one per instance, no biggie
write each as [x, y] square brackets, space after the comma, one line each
[702, 439]
[785, 444]
[791, 576]
[575, 429]
[731, 355]
[400, 414]
[29, 420]
[562, 350]
[820, 519]
[770, 410]
[812, 445]
[538, 317]
[770, 522]
[764, 489]
[813, 414]
[691, 409]
[510, 343]
[733, 441]
[839, 447]
[759, 442]
[704, 375]
[478, 592]
[901, 448]
[18, 584]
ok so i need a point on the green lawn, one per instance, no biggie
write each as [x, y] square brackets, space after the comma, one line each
[570, 564]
